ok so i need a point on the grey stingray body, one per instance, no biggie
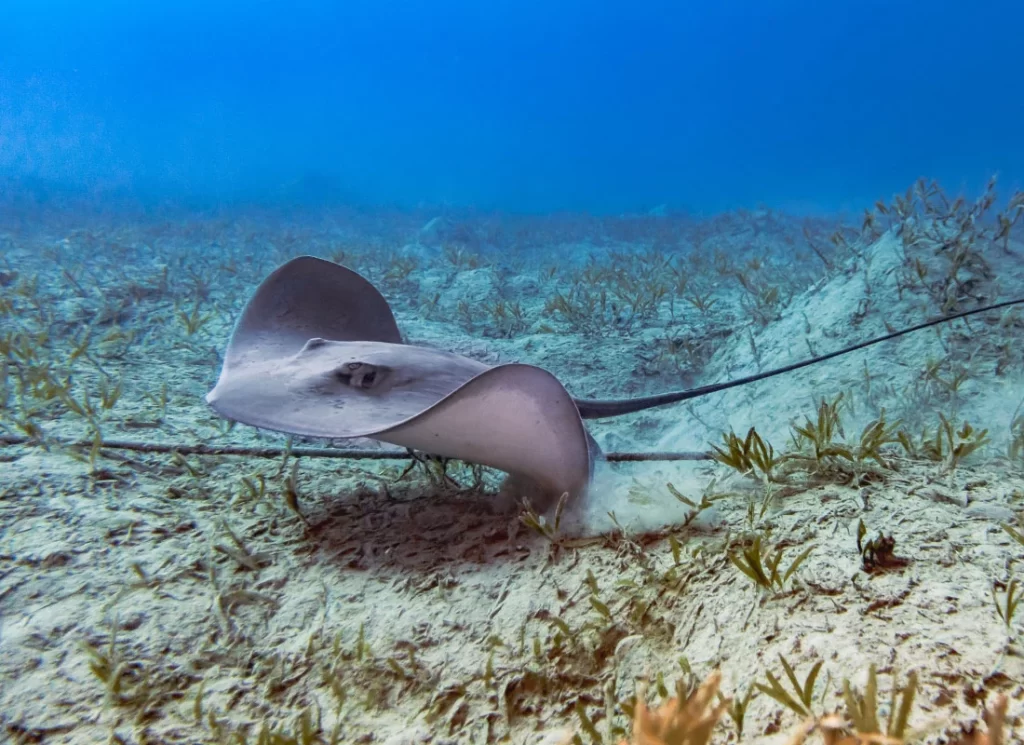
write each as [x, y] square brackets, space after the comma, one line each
[317, 352]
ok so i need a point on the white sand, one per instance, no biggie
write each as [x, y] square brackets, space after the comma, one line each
[462, 609]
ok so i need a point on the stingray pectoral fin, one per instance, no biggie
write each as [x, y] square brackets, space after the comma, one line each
[516, 418]
[307, 298]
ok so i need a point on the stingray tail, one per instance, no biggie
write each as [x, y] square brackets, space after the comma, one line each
[598, 408]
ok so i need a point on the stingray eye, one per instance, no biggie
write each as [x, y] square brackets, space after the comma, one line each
[360, 375]
[348, 374]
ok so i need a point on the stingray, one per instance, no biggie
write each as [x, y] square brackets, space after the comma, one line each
[317, 352]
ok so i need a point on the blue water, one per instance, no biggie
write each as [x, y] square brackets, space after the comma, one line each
[519, 106]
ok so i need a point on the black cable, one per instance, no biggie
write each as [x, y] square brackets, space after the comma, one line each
[300, 452]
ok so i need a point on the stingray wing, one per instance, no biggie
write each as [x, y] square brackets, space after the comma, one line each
[517, 418]
[306, 298]
[335, 389]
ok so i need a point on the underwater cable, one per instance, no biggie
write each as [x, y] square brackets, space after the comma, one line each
[298, 452]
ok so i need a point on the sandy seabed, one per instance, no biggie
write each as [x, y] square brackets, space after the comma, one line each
[154, 597]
